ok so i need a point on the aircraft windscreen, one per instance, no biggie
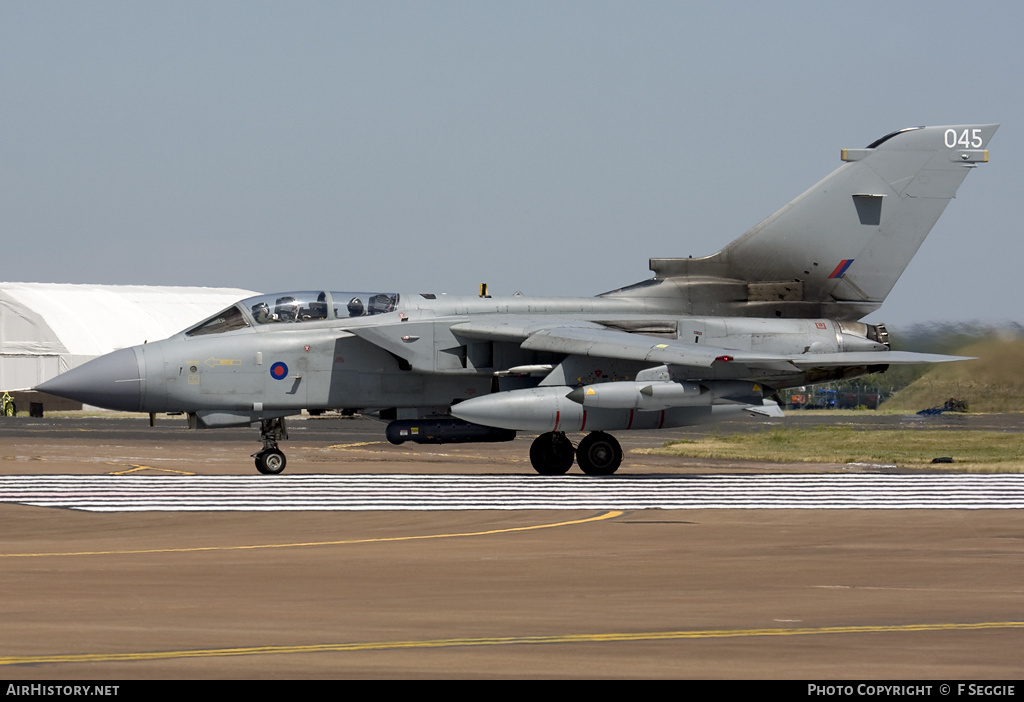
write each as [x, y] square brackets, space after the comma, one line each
[227, 320]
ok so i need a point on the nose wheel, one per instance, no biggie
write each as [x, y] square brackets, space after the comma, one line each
[271, 460]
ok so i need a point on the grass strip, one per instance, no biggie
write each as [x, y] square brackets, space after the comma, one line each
[985, 451]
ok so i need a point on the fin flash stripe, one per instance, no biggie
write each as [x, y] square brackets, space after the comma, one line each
[840, 270]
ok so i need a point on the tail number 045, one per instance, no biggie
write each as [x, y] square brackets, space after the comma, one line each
[968, 139]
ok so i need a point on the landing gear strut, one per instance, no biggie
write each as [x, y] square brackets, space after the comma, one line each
[599, 454]
[551, 453]
[271, 460]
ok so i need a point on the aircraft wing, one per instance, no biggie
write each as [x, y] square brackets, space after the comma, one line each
[609, 343]
[870, 358]
[595, 340]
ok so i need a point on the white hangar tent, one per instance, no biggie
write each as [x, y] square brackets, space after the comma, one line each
[48, 328]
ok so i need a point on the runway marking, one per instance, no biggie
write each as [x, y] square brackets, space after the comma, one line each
[345, 542]
[137, 468]
[358, 443]
[132, 493]
[501, 641]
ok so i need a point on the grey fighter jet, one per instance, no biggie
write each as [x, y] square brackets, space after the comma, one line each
[703, 339]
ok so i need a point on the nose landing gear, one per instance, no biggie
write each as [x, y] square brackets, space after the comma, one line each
[271, 460]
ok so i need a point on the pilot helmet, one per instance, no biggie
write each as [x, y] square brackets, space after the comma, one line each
[261, 311]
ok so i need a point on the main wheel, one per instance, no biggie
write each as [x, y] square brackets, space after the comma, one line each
[270, 461]
[599, 454]
[551, 454]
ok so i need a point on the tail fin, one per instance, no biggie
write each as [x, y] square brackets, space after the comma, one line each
[838, 249]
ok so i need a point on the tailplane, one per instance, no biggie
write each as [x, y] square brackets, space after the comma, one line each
[838, 249]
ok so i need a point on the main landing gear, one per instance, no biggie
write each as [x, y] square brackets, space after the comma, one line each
[552, 453]
[597, 454]
[271, 460]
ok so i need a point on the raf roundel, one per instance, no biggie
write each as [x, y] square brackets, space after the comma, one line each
[279, 371]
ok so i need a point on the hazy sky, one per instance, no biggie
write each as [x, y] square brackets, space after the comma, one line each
[547, 147]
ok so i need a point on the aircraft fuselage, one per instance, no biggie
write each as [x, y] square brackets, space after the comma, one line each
[419, 355]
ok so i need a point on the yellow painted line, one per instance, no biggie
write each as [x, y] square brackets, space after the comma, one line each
[500, 641]
[255, 547]
[136, 468]
[360, 443]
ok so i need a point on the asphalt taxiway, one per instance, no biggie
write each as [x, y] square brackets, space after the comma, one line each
[724, 593]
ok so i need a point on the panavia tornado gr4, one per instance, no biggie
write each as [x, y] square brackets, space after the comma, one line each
[705, 338]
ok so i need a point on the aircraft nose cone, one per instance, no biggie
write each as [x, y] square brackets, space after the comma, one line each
[112, 381]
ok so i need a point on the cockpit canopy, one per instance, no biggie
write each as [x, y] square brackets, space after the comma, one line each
[294, 307]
